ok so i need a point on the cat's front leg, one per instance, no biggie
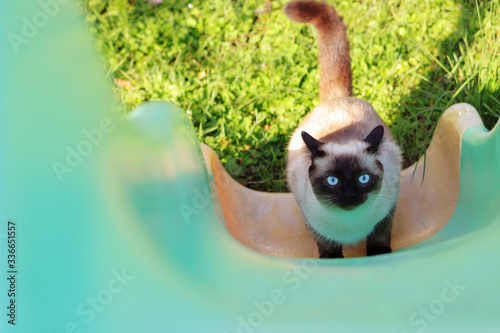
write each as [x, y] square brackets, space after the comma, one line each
[379, 241]
[329, 249]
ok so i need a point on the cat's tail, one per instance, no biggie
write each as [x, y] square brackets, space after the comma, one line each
[335, 63]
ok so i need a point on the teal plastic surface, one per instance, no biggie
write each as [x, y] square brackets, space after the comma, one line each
[113, 235]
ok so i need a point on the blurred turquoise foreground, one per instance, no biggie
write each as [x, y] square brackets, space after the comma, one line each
[110, 236]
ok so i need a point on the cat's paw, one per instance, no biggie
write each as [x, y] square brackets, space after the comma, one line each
[325, 254]
[373, 251]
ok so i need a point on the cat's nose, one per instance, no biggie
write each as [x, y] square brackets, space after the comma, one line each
[349, 193]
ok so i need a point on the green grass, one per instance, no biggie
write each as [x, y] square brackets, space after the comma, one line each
[247, 79]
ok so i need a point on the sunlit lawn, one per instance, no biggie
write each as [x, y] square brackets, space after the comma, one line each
[247, 79]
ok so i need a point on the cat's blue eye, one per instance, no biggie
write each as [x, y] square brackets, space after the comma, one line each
[363, 179]
[332, 180]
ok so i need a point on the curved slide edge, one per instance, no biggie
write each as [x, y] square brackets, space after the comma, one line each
[201, 271]
[271, 223]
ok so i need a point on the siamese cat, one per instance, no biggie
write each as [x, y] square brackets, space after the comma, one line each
[343, 163]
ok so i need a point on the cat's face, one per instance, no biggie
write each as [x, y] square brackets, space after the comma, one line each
[344, 175]
[344, 181]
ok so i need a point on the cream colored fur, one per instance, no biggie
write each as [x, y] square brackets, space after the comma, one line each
[342, 124]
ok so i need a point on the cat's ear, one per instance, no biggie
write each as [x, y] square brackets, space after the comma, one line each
[312, 143]
[374, 138]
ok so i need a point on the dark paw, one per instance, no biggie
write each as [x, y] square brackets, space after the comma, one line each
[330, 254]
[373, 251]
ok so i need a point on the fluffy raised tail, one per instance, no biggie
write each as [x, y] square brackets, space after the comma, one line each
[334, 61]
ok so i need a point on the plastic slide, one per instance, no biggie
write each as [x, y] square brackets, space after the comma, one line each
[116, 224]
